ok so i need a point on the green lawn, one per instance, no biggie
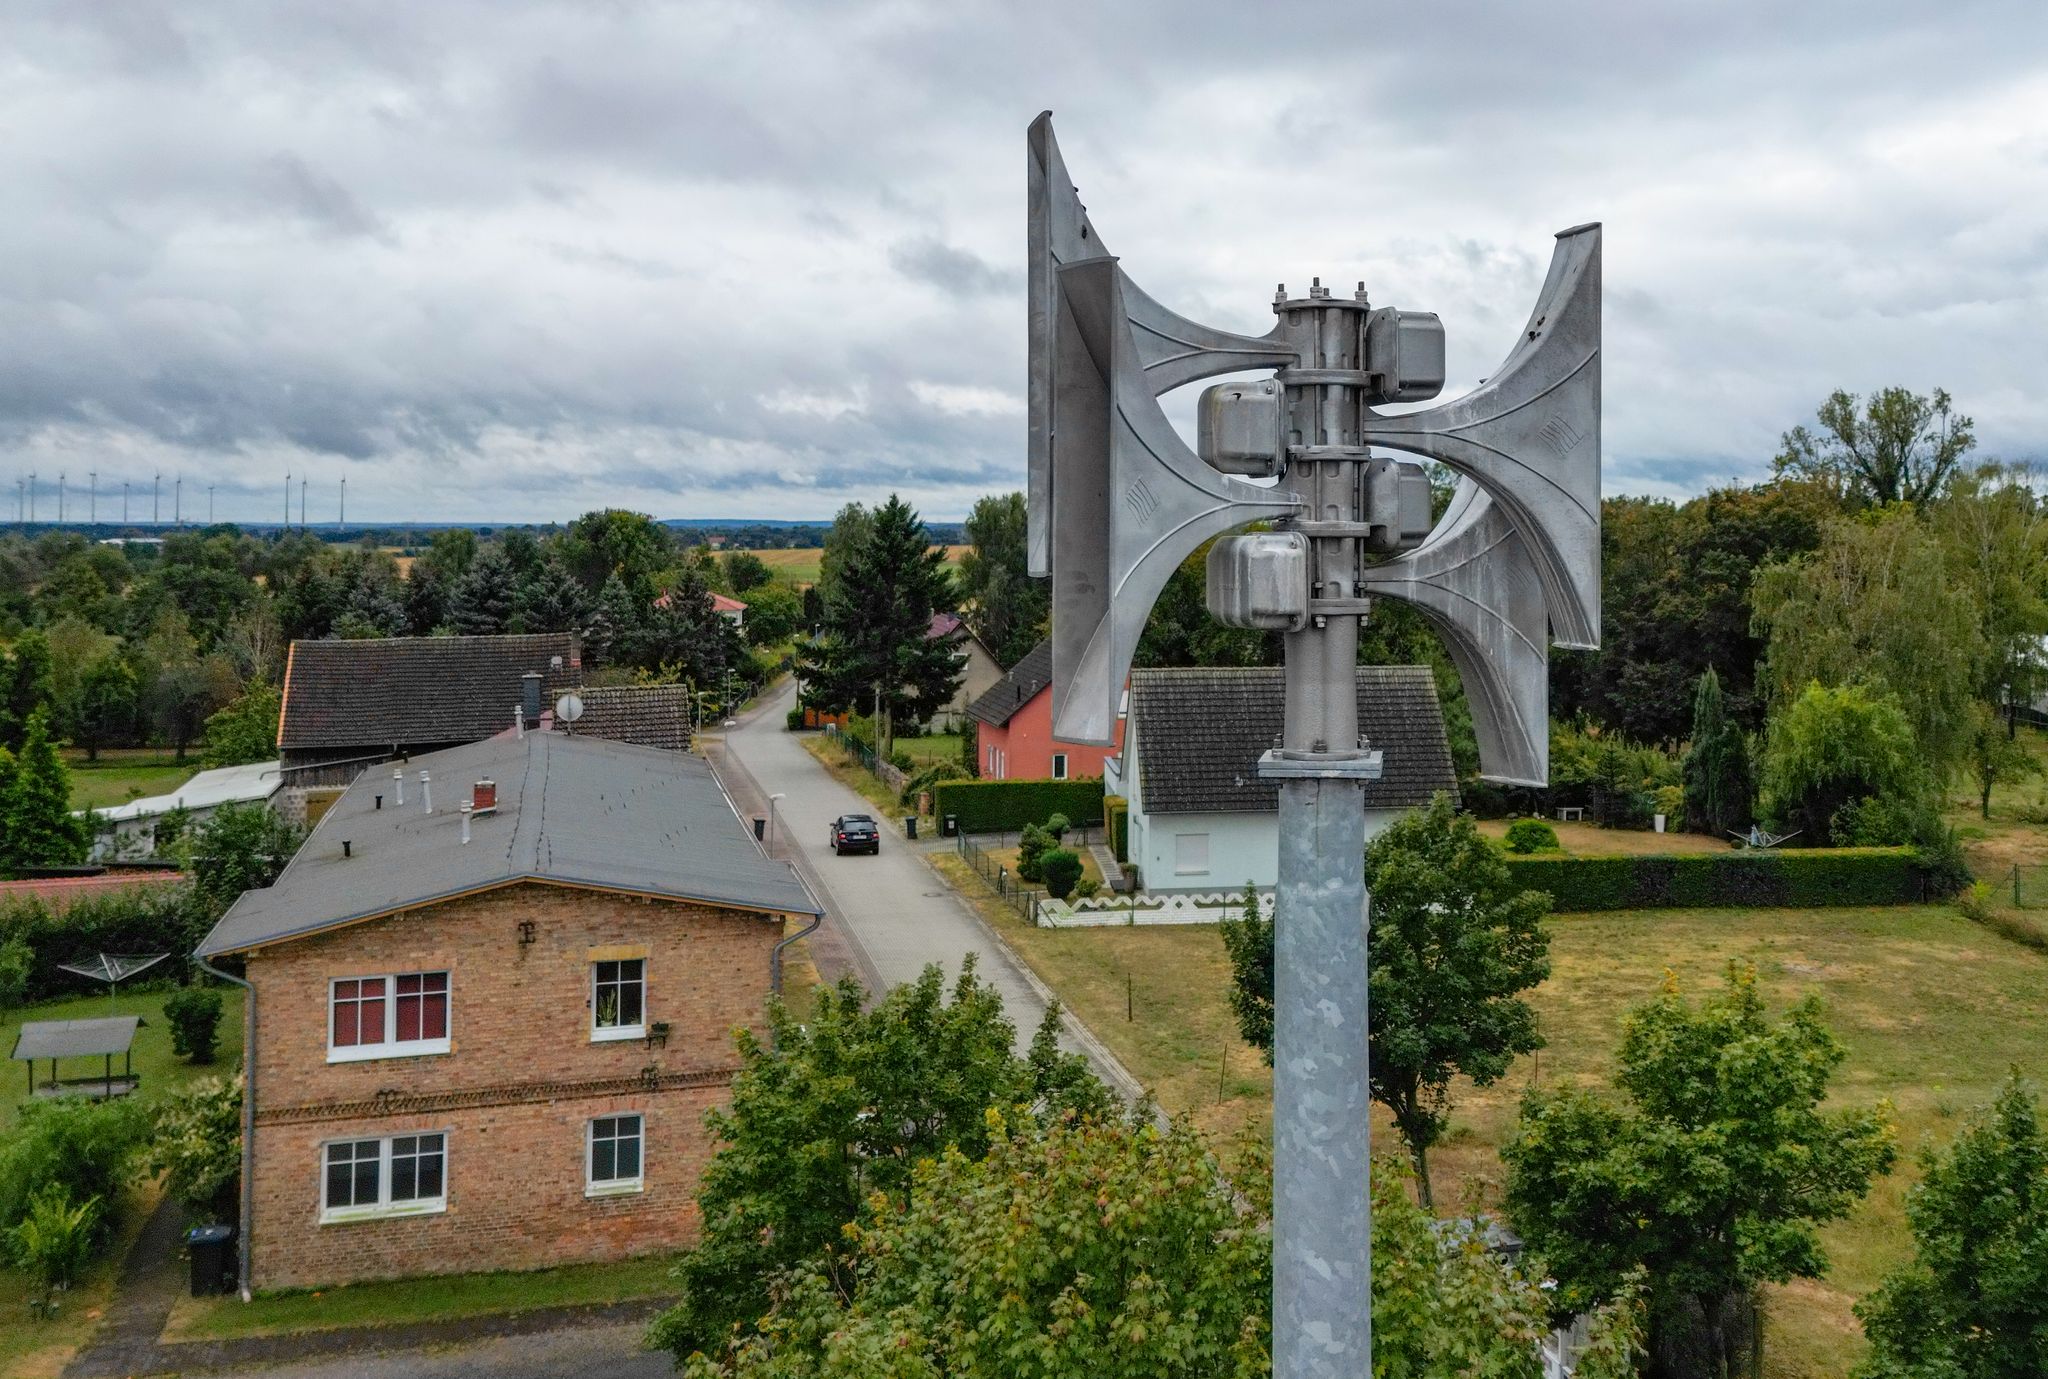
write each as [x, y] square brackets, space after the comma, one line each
[160, 1069]
[29, 1348]
[937, 747]
[117, 779]
[1934, 1011]
[419, 1300]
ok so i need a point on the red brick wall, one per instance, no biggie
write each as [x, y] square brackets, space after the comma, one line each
[514, 1092]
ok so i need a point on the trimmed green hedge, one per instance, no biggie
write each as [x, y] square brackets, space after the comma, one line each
[1116, 820]
[149, 919]
[1804, 877]
[1004, 806]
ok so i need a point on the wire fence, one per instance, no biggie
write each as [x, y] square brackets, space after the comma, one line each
[2025, 886]
[1002, 880]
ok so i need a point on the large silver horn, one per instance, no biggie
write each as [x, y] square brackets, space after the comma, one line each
[1531, 436]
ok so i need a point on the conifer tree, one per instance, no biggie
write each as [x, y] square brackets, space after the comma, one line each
[550, 600]
[1720, 789]
[615, 622]
[481, 604]
[37, 827]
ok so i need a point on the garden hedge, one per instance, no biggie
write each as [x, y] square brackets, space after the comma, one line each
[1116, 822]
[149, 919]
[1004, 806]
[1803, 877]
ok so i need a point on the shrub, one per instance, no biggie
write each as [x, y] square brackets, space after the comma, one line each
[1062, 872]
[1975, 902]
[929, 777]
[1795, 877]
[996, 806]
[1031, 850]
[193, 1013]
[1057, 826]
[902, 760]
[52, 1242]
[83, 1148]
[148, 919]
[17, 966]
[1116, 821]
[1087, 888]
[1531, 835]
[794, 720]
[1670, 802]
[196, 1139]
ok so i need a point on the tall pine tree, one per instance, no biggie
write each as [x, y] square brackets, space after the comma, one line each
[481, 604]
[1720, 789]
[874, 651]
[37, 827]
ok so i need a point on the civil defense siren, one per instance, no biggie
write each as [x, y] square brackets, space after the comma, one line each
[1117, 500]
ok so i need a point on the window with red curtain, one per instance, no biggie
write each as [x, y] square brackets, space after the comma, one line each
[422, 1006]
[358, 1011]
[389, 1012]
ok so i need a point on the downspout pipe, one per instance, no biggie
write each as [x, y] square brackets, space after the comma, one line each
[775, 957]
[248, 1119]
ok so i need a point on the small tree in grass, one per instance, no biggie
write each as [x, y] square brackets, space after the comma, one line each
[52, 1243]
[1973, 1304]
[1711, 1172]
[193, 1013]
[1453, 943]
[1061, 870]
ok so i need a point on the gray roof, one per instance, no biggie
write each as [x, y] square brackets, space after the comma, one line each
[575, 811]
[1199, 733]
[76, 1038]
[1018, 687]
[419, 691]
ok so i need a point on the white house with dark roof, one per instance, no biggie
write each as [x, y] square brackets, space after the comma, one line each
[1201, 819]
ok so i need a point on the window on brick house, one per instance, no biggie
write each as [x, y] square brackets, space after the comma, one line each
[618, 999]
[394, 1176]
[614, 1155]
[1059, 765]
[387, 1017]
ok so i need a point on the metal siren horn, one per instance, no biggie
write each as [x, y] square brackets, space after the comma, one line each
[1117, 499]
[1473, 581]
[1531, 436]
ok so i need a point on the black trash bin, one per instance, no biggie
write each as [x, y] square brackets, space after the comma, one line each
[213, 1259]
[952, 825]
[910, 827]
[760, 828]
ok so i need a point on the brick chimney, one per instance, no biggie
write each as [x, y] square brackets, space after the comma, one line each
[483, 797]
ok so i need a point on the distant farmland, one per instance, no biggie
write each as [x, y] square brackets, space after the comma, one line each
[801, 565]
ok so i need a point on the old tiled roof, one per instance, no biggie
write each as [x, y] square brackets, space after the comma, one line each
[647, 715]
[571, 811]
[1200, 732]
[390, 691]
[58, 892]
[1025, 679]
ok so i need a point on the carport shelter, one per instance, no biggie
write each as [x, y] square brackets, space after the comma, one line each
[101, 1038]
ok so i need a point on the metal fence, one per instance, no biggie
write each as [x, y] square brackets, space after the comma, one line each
[1016, 894]
[2025, 886]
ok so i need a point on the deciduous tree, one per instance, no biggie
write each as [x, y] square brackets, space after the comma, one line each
[1899, 447]
[1710, 1172]
[246, 730]
[1007, 608]
[1832, 748]
[1973, 1303]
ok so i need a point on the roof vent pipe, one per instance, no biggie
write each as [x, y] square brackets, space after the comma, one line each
[465, 825]
[346, 845]
[529, 695]
[398, 783]
[427, 791]
[518, 722]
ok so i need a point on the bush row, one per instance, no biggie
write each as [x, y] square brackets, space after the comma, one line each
[1116, 821]
[997, 806]
[148, 919]
[1795, 877]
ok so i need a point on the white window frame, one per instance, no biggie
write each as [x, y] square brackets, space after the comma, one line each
[613, 1187]
[1181, 866]
[383, 1208]
[602, 1034]
[390, 1046]
[1059, 765]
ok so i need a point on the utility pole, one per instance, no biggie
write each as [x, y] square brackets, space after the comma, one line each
[1118, 501]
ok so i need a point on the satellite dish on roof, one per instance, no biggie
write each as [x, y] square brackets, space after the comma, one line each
[569, 708]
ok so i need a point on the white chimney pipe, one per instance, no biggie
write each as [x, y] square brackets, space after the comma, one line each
[427, 791]
[465, 825]
[398, 782]
[519, 721]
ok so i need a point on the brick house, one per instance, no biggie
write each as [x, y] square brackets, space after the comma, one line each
[1013, 728]
[497, 1053]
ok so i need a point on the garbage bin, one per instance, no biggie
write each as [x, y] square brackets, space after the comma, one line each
[910, 827]
[213, 1259]
[760, 828]
[951, 827]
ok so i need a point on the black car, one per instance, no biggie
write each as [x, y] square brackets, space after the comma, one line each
[855, 833]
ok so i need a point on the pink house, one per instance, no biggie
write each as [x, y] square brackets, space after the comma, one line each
[1013, 728]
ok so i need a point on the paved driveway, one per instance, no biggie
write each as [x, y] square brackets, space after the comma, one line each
[892, 911]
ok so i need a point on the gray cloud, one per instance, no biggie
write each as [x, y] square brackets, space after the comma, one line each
[512, 258]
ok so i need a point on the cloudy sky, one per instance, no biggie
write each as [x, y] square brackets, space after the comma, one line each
[495, 260]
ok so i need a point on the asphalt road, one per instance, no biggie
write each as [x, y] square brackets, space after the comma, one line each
[891, 910]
